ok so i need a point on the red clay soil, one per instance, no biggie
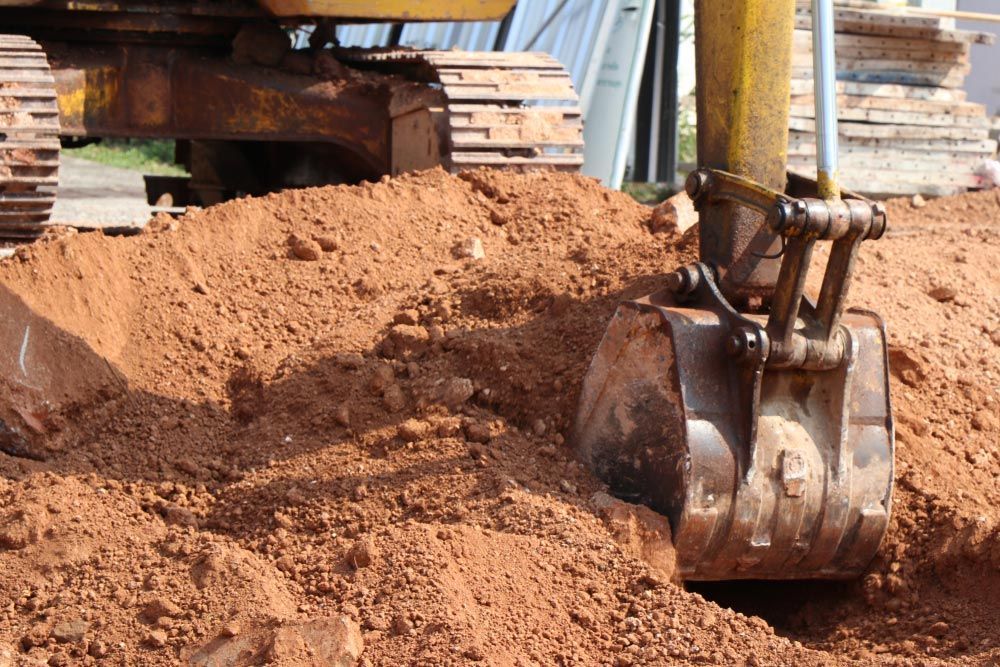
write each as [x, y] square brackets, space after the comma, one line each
[321, 422]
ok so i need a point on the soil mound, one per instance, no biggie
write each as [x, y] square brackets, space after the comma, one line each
[341, 411]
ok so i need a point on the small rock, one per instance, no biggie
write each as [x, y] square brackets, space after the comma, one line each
[498, 217]
[939, 629]
[449, 427]
[477, 432]
[326, 243]
[470, 248]
[567, 486]
[918, 201]
[156, 639]
[305, 249]
[401, 625]
[443, 311]
[435, 332]
[538, 427]
[179, 516]
[97, 649]
[230, 629]
[201, 288]
[383, 378]
[159, 607]
[342, 415]
[413, 430]
[457, 391]
[406, 342]
[943, 294]
[410, 316]
[474, 653]
[673, 216]
[363, 553]
[985, 420]
[393, 398]
[70, 631]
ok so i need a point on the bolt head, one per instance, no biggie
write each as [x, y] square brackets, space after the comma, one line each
[695, 183]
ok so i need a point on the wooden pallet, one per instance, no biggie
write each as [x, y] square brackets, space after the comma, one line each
[905, 125]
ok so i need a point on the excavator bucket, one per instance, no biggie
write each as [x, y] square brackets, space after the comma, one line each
[757, 420]
[797, 487]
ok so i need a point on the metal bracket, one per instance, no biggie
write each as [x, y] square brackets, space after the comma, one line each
[819, 344]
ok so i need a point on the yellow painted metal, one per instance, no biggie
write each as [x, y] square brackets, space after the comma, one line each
[393, 10]
[744, 50]
[744, 66]
[828, 184]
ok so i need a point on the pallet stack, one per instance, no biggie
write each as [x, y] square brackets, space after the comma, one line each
[905, 124]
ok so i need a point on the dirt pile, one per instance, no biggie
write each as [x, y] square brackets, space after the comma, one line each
[341, 412]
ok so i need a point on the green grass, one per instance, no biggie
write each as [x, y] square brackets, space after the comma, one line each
[149, 156]
[646, 193]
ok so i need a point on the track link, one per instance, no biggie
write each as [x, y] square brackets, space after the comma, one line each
[29, 139]
[505, 110]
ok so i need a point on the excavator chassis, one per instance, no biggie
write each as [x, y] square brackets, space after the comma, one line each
[253, 116]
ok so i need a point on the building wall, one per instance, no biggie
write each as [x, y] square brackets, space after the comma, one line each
[983, 84]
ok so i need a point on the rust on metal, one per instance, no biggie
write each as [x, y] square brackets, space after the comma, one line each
[764, 473]
[758, 421]
[743, 68]
[29, 138]
[392, 10]
[146, 91]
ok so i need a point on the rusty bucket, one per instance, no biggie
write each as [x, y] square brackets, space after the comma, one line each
[794, 482]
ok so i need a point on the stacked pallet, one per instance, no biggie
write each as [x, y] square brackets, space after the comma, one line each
[904, 122]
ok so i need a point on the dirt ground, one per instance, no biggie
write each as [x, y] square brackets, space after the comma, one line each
[327, 426]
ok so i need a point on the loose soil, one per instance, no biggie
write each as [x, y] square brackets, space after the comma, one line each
[331, 410]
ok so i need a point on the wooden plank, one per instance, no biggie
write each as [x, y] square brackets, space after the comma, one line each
[932, 177]
[897, 25]
[803, 40]
[898, 117]
[851, 159]
[920, 106]
[853, 129]
[953, 80]
[803, 56]
[891, 90]
[900, 63]
[984, 147]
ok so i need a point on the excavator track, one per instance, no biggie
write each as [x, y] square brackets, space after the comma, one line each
[29, 139]
[514, 111]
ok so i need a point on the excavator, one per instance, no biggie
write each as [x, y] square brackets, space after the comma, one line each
[249, 113]
[756, 418]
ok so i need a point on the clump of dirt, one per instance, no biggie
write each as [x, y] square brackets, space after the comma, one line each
[341, 412]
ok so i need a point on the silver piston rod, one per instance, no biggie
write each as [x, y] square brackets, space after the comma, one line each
[825, 94]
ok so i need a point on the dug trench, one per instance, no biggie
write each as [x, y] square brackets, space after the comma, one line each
[330, 424]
